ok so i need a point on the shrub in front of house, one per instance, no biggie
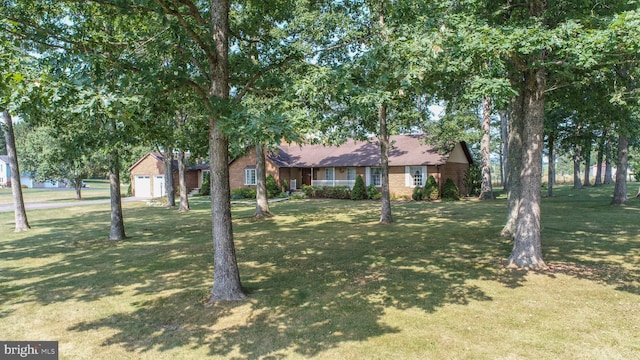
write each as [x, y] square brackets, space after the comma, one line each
[359, 191]
[243, 193]
[373, 193]
[431, 191]
[327, 192]
[417, 193]
[273, 189]
[205, 190]
[450, 190]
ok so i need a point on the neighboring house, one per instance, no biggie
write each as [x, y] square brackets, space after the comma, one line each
[147, 176]
[5, 172]
[26, 180]
[411, 162]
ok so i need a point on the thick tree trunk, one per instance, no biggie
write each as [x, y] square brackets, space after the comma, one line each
[20, 213]
[182, 171]
[551, 171]
[226, 279]
[169, 186]
[116, 229]
[486, 188]
[587, 164]
[527, 245]
[385, 212]
[262, 201]
[504, 161]
[620, 190]
[514, 156]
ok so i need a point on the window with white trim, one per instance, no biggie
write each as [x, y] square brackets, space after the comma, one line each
[351, 173]
[250, 176]
[376, 176]
[415, 176]
[329, 174]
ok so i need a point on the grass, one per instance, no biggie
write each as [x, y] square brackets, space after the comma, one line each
[327, 282]
[96, 189]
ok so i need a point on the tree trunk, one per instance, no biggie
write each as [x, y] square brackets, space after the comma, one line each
[527, 245]
[600, 158]
[77, 184]
[226, 279]
[262, 202]
[385, 212]
[486, 188]
[184, 195]
[587, 163]
[20, 213]
[169, 187]
[116, 231]
[551, 172]
[504, 160]
[514, 156]
[608, 167]
[620, 190]
[577, 182]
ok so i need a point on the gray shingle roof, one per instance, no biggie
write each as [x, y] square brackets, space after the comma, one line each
[405, 150]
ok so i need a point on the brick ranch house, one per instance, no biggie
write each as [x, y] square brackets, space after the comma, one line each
[147, 176]
[411, 162]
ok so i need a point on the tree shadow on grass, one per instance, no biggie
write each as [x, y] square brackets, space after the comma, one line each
[318, 275]
[315, 285]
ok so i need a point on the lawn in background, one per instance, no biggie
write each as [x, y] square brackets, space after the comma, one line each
[326, 281]
[96, 189]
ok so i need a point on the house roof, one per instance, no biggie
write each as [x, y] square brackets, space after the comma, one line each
[405, 150]
[4, 158]
[159, 157]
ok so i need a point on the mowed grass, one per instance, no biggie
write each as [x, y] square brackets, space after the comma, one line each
[96, 189]
[326, 281]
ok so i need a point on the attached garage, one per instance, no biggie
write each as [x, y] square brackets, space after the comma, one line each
[142, 185]
[158, 186]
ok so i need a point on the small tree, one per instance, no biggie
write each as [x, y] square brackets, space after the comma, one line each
[450, 190]
[431, 190]
[473, 180]
[359, 191]
[205, 190]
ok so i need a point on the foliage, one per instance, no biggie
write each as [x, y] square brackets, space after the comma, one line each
[243, 193]
[431, 190]
[472, 179]
[327, 192]
[273, 189]
[359, 191]
[450, 190]
[417, 193]
[205, 190]
[373, 193]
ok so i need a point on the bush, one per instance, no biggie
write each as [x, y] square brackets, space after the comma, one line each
[450, 190]
[373, 193]
[431, 190]
[327, 192]
[273, 189]
[473, 179]
[417, 193]
[359, 191]
[205, 190]
[243, 193]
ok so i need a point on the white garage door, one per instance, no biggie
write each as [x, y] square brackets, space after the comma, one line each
[158, 186]
[143, 186]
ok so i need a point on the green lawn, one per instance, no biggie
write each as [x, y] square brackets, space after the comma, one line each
[96, 189]
[327, 282]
